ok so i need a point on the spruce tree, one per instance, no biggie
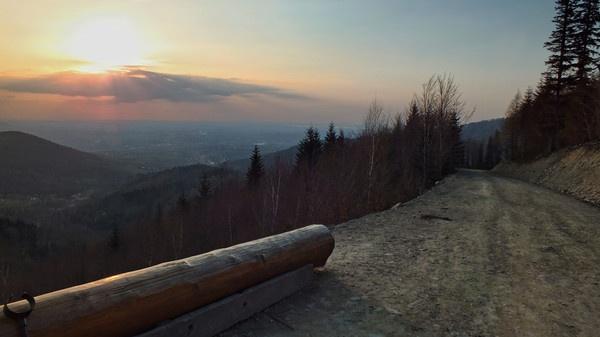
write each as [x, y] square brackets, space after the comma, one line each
[587, 39]
[561, 63]
[559, 79]
[309, 149]
[414, 134]
[330, 139]
[256, 169]
[457, 158]
[341, 140]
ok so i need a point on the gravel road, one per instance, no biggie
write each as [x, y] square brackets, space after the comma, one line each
[478, 255]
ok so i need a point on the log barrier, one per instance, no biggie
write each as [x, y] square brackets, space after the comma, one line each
[136, 302]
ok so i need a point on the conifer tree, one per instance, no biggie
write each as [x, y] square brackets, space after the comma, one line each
[341, 139]
[330, 139]
[493, 152]
[414, 133]
[309, 149]
[256, 169]
[561, 63]
[559, 78]
[457, 147]
[587, 39]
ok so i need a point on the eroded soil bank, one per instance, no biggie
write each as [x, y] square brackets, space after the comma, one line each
[574, 171]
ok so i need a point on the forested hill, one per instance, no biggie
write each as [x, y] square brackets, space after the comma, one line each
[148, 194]
[481, 131]
[34, 166]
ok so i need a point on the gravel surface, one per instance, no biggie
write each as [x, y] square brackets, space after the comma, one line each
[478, 255]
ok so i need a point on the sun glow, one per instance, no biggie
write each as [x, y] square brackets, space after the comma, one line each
[106, 43]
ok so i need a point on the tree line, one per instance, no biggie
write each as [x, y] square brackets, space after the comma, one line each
[484, 154]
[564, 108]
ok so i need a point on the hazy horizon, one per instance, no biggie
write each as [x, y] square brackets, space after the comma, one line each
[279, 61]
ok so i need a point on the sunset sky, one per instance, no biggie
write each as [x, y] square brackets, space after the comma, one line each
[261, 60]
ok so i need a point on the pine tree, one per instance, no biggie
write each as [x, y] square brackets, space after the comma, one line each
[330, 139]
[341, 139]
[414, 115]
[414, 133]
[559, 79]
[309, 149]
[511, 127]
[587, 39]
[255, 170]
[457, 158]
[560, 74]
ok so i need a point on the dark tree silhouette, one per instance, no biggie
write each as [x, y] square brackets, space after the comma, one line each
[309, 149]
[341, 139]
[256, 169]
[560, 75]
[457, 158]
[415, 138]
[562, 47]
[330, 139]
[587, 39]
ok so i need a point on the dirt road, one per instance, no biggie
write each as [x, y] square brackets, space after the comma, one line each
[478, 255]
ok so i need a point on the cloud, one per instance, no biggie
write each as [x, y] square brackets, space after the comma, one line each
[134, 84]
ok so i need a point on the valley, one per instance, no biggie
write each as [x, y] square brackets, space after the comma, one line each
[151, 146]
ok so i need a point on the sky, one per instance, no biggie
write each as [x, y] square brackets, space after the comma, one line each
[309, 61]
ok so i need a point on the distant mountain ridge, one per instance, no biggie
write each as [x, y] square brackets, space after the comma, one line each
[31, 165]
[482, 130]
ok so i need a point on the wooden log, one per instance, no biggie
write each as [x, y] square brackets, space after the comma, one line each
[134, 302]
[221, 315]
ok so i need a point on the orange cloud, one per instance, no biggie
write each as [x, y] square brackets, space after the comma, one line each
[134, 84]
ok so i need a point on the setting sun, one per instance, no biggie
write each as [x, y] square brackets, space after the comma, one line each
[106, 43]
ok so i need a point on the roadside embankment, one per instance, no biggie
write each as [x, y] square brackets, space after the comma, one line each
[574, 171]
